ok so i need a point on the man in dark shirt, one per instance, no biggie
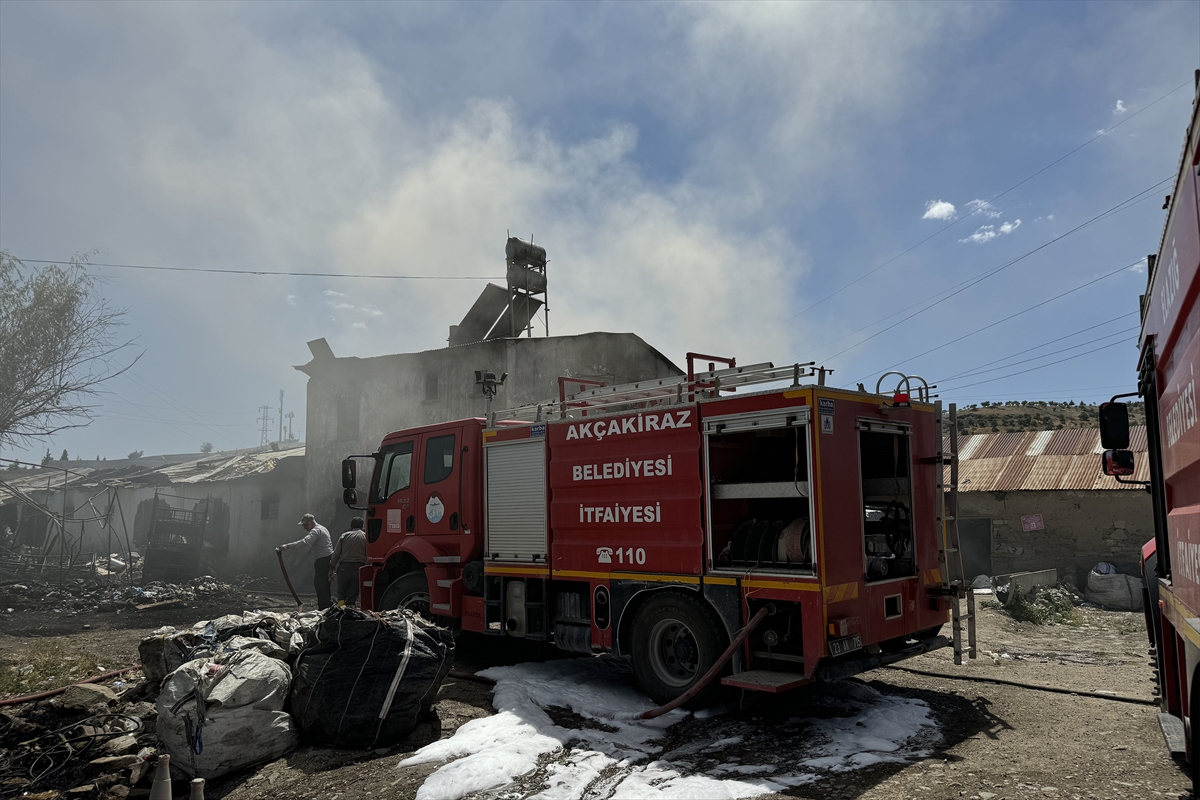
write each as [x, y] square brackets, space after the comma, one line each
[349, 554]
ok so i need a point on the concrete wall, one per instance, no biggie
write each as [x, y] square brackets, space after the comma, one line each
[393, 392]
[1081, 528]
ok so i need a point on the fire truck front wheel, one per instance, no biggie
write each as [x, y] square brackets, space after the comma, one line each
[675, 641]
[410, 590]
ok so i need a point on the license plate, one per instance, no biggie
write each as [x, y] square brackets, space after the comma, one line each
[838, 647]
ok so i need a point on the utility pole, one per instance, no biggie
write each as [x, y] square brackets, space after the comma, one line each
[280, 439]
[290, 414]
[266, 421]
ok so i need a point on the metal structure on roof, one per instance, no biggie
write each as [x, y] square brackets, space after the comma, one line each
[1057, 460]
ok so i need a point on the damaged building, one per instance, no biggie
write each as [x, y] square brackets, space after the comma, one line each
[241, 505]
[354, 402]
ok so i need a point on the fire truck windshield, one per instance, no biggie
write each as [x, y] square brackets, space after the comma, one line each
[392, 471]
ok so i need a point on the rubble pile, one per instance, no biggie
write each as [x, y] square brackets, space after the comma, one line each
[79, 595]
[92, 740]
[1046, 604]
[222, 696]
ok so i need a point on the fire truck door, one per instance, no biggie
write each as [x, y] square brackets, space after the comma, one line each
[439, 510]
[393, 486]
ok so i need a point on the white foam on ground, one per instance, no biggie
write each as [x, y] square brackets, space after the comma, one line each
[616, 755]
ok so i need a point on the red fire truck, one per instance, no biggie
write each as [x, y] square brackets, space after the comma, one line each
[799, 532]
[1167, 371]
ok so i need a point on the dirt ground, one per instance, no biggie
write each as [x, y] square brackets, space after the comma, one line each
[996, 742]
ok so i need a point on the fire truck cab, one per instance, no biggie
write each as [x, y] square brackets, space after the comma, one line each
[656, 520]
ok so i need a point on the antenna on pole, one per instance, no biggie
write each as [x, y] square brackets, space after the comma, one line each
[266, 421]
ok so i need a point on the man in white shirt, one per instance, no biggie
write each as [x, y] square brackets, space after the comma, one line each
[320, 546]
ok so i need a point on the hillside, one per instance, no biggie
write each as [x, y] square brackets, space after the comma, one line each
[1034, 415]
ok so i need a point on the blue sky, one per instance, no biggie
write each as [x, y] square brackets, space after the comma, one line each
[705, 175]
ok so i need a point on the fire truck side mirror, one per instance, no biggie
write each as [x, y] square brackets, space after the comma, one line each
[349, 474]
[350, 497]
[1114, 426]
[1117, 462]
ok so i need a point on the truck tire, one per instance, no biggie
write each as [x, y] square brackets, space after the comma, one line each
[676, 639]
[410, 590]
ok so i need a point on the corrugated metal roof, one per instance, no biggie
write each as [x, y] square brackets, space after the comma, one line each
[1042, 461]
[1069, 442]
[1006, 444]
[212, 468]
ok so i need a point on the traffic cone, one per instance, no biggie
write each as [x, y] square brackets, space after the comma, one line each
[197, 789]
[161, 788]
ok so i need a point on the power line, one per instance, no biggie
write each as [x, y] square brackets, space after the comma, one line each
[132, 418]
[962, 287]
[1062, 338]
[151, 413]
[945, 294]
[1059, 296]
[277, 272]
[947, 227]
[210, 424]
[977, 372]
[1043, 366]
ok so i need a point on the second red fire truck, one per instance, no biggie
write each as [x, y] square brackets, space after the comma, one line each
[773, 536]
[1167, 369]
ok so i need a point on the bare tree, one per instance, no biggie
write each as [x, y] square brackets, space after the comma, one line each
[58, 344]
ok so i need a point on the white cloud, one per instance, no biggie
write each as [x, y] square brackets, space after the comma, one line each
[939, 209]
[362, 326]
[1120, 108]
[291, 299]
[332, 293]
[988, 232]
[1140, 267]
[984, 234]
[983, 207]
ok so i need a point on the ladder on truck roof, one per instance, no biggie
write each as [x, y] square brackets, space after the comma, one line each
[660, 391]
[955, 584]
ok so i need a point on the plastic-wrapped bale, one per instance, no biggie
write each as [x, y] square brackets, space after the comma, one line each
[365, 680]
[221, 714]
[1114, 590]
[165, 650]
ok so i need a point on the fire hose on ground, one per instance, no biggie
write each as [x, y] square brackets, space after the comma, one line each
[29, 698]
[288, 580]
[1037, 687]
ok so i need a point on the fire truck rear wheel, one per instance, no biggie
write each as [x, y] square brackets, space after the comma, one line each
[675, 640]
[410, 590]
